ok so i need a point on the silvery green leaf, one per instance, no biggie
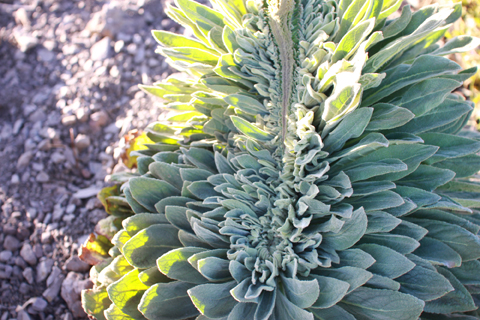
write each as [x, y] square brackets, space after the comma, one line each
[468, 273]
[189, 240]
[457, 125]
[138, 222]
[462, 75]
[151, 276]
[364, 188]
[368, 170]
[334, 312]
[380, 282]
[351, 127]
[201, 158]
[115, 313]
[94, 302]
[202, 189]
[424, 67]
[402, 138]
[169, 39]
[463, 166]
[146, 246]
[246, 103]
[399, 243]
[194, 174]
[303, 293]
[213, 126]
[403, 209]
[120, 238]
[287, 310]
[166, 94]
[167, 172]
[179, 16]
[371, 80]
[387, 116]
[126, 293]
[388, 8]
[352, 40]
[212, 238]
[213, 300]
[243, 311]
[136, 207]
[424, 284]
[451, 146]
[222, 85]
[378, 201]
[398, 25]
[448, 217]
[458, 300]
[168, 301]
[174, 264]
[351, 13]
[411, 155]
[426, 95]
[222, 164]
[194, 259]
[351, 232]
[353, 276]
[459, 239]
[355, 258]
[333, 291]
[420, 197]
[202, 16]
[380, 221]
[215, 40]
[166, 156]
[234, 10]
[366, 303]
[437, 118]
[404, 42]
[149, 191]
[389, 263]
[120, 265]
[171, 201]
[427, 178]
[142, 164]
[438, 253]
[370, 143]
[343, 100]
[176, 215]
[251, 130]
[266, 306]
[458, 44]
[107, 276]
[214, 269]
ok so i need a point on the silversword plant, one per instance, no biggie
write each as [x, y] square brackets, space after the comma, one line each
[316, 169]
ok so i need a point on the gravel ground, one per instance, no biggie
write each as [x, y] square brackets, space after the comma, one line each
[68, 91]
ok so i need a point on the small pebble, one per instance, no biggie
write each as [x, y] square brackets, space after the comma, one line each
[39, 304]
[5, 255]
[69, 120]
[11, 243]
[28, 255]
[42, 177]
[82, 142]
[15, 179]
[28, 275]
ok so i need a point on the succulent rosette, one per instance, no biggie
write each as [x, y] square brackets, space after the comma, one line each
[316, 169]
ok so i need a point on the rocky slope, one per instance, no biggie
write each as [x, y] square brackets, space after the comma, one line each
[68, 91]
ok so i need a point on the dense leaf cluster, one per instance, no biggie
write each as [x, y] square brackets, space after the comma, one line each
[316, 170]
